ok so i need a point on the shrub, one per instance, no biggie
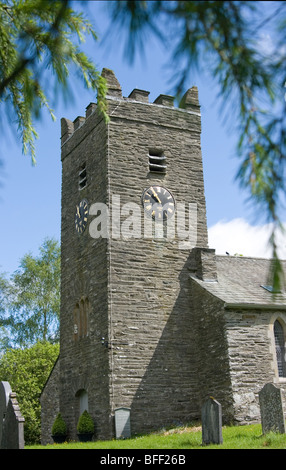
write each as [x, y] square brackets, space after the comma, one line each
[85, 424]
[59, 427]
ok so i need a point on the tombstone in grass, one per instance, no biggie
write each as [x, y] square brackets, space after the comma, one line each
[211, 422]
[5, 391]
[11, 419]
[271, 410]
[122, 423]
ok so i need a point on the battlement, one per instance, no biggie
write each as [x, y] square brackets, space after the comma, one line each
[189, 102]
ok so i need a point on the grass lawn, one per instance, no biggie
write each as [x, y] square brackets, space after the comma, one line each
[234, 437]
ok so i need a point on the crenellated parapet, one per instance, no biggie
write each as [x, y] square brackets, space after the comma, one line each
[189, 103]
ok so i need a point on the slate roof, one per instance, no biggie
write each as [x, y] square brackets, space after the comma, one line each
[239, 283]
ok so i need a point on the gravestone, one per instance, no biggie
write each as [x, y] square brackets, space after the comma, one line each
[11, 419]
[122, 423]
[211, 422]
[5, 391]
[270, 401]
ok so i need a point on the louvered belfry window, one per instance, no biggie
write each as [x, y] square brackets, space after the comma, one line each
[82, 179]
[157, 161]
[280, 348]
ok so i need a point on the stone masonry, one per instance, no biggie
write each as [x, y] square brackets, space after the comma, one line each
[146, 323]
[136, 291]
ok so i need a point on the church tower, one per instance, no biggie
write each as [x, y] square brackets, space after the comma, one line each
[133, 208]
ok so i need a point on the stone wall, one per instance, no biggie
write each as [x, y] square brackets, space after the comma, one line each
[152, 338]
[252, 358]
[213, 365]
[50, 404]
[236, 354]
[84, 362]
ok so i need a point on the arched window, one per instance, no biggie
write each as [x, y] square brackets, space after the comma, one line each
[81, 318]
[280, 348]
[76, 319]
[82, 396]
[84, 307]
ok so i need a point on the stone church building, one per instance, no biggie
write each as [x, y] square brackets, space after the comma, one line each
[151, 318]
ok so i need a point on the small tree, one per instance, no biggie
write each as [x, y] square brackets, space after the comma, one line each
[59, 427]
[85, 424]
[31, 298]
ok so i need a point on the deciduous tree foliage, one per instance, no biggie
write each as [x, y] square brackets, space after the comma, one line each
[30, 306]
[29, 322]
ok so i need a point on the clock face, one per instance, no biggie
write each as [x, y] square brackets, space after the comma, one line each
[81, 216]
[158, 203]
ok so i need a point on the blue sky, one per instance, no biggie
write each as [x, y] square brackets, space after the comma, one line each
[30, 196]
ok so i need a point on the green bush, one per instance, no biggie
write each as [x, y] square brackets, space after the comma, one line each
[85, 424]
[59, 427]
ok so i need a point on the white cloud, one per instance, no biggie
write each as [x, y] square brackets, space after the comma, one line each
[239, 237]
[268, 47]
[266, 44]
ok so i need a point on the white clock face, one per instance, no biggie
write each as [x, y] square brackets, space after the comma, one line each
[158, 203]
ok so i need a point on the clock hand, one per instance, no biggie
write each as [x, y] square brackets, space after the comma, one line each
[156, 195]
